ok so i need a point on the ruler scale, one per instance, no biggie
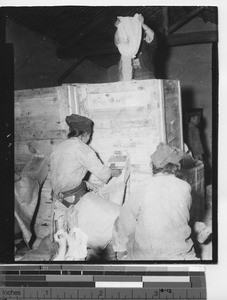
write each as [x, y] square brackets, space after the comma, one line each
[101, 282]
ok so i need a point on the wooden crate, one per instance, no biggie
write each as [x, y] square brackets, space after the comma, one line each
[129, 116]
[133, 116]
[195, 177]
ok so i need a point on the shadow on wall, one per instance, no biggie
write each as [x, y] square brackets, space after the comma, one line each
[161, 57]
[188, 99]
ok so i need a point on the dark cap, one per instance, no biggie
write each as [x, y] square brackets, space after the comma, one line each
[165, 154]
[78, 122]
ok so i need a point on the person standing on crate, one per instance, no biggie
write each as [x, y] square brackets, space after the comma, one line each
[154, 223]
[143, 63]
[137, 54]
[69, 163]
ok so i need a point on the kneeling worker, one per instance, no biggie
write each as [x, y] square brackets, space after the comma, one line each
[69, 163]
[153, 223]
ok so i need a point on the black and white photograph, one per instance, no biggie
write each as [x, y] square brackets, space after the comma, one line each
[114, 132]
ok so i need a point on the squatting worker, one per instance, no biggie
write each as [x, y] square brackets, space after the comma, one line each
[153, 223]
[69, 163]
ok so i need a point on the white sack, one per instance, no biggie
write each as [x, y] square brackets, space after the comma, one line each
[26, 192]
[95, 217]
[72, 245]
[129, 31]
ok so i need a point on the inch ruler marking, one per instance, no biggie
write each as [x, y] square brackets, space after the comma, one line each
[107, 293]
[108, 282]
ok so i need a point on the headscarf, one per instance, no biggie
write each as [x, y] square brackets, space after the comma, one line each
[165, 154]
[79, 122]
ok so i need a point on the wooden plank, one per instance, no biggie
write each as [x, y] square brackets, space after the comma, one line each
[17, 110]
[180, 115]
[114, 98]
[53, 120]
[192, 38]
[117, 100]
[63, 107]
[131, 133]
[124, 117]
[185, 19]
[38, 124]
[161, 115]
[195, 177]
[114, 87]
[38, 117]
[128, 105]
[38, 106]
[165, 14]
[35, 93]
[173, 121]
[42, 130]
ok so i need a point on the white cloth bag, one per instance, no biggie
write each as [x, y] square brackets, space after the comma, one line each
[127, 39]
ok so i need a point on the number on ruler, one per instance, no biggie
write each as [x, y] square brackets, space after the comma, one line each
[147, 293]
[100, 293]
[155, 293]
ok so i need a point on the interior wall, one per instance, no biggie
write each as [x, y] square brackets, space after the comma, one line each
[196, 84]
[36, 64]
[192, 66]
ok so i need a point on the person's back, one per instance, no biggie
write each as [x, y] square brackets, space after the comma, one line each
[67, 167]
[71, 159]
[154, 223]
[162, 230]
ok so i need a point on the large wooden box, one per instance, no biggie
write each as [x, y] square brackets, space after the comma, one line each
[133, 116]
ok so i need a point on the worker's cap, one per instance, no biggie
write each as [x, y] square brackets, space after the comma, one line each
[165, 154]
[78, 122]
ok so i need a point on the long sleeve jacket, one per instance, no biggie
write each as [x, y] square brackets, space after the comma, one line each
[153, 223]
[70, 162]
